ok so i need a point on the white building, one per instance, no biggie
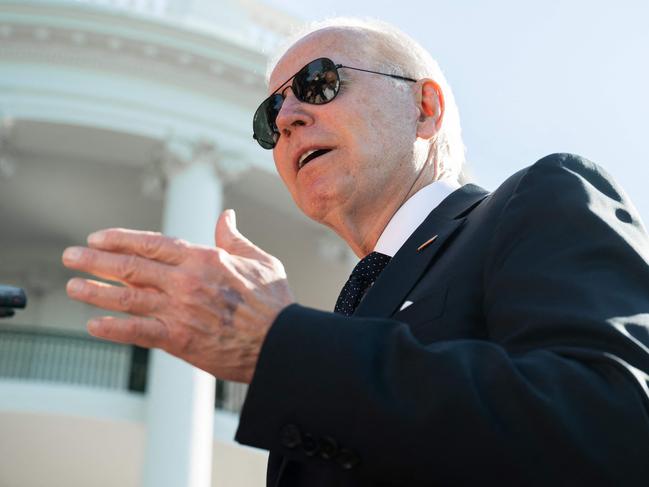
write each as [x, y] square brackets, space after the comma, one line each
[131, 113]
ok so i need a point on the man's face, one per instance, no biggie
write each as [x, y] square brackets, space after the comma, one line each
[369, 129]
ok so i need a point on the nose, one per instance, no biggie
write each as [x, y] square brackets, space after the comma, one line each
[292, 114]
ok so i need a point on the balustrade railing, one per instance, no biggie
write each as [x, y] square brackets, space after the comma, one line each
[44, 354]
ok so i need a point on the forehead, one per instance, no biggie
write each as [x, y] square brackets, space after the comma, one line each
[339, 44]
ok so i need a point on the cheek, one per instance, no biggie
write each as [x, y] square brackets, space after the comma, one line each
[385, 123]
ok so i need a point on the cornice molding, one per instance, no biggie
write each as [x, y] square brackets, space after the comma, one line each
[98, 50]
[47, 44]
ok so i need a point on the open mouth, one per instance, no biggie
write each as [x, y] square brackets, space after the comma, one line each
[308, 156]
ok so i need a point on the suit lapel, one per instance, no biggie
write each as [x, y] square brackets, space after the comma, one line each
[419, 251]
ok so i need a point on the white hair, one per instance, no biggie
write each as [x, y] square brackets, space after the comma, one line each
[397, 53]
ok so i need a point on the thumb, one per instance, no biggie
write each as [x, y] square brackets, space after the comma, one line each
[228, 237]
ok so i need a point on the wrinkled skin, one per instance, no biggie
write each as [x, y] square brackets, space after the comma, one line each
[371, 127]
[209, 306]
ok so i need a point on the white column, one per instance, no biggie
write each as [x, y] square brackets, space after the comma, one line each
[180, 398]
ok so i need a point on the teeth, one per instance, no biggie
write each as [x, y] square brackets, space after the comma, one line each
[300, 162]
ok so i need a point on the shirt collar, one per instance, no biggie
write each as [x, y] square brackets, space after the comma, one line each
[412, 214]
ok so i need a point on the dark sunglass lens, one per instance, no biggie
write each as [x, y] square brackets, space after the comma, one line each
[263, 123]
[317, 82]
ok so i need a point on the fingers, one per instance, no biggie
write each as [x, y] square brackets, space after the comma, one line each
[144, 332]
[228, 237]
[226, 232]
[115, 298]
[151, 245]
[129, 269]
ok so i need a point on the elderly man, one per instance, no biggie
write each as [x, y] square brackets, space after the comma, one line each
[482, 339]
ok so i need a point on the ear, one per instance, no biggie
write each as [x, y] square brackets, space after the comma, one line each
[430, 102]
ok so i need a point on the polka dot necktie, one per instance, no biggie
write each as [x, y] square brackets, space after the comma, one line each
[360, 280]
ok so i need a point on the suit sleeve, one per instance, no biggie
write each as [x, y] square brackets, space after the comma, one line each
[557, 394]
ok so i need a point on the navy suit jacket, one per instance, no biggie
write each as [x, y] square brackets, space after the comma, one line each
[523, 359]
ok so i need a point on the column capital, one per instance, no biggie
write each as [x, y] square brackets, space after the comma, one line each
[174, 155]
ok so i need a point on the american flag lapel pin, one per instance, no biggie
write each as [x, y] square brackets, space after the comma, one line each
[427, 243]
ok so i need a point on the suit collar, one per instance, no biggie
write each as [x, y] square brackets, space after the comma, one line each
[460, 202]
[408, 265]
[412, 213]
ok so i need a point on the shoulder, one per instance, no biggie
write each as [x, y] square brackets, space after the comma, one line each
[558, 180]
[563, 199]
[560, 171]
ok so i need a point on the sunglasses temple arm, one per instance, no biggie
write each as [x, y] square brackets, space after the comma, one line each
[396, 76]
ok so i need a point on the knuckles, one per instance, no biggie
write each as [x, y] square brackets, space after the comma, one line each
[126, 300]
[128, 267]
[88, 291]
[152, 245]
[215, 256]
[179, 243]
[183, 342]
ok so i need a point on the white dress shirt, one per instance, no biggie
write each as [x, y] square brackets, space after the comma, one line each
[412, 214]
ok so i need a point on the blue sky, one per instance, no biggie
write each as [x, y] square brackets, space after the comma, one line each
[533, 77]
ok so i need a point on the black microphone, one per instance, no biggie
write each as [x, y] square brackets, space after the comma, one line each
[10, 299]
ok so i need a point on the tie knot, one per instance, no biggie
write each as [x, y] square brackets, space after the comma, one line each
[370, 266]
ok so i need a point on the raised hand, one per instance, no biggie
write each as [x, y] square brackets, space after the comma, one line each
[210, 306]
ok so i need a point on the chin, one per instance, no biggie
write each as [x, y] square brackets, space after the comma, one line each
[317, 208]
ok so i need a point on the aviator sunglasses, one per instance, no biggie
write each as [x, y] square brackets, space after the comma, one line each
[316, 83]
